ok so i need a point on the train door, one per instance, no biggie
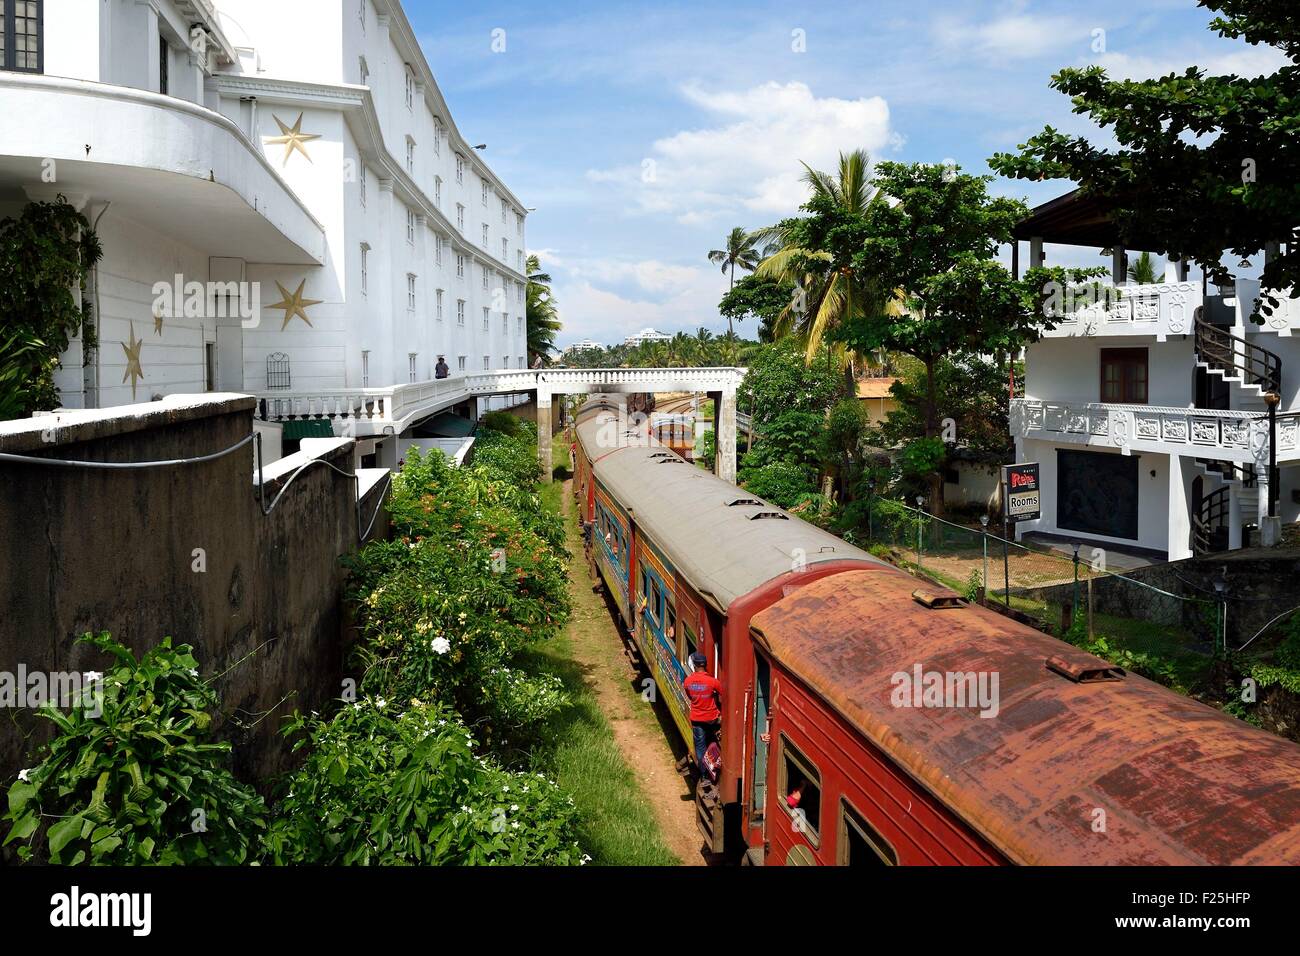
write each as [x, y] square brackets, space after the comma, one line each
[762, 736]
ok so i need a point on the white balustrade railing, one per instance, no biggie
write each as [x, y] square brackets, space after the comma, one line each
[373, 409]
[1160, 309]
[1225, 434]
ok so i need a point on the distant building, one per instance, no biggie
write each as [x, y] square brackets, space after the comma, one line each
[646, 335]
[876, 398]
[586, 345]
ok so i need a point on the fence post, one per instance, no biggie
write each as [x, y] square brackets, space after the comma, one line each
[1074, 608]
[1090, 609]
[920, 531]
[1006, 561]
[984, 538]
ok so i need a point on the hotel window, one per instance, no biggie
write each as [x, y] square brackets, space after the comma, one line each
[460, 168]
[438, 298]
[485, 318]
[503, 212]
[365, 267]
[364, 72]
[410, 366]
[520, 259]
[505, 324]
[437, 191]
[164, 61]
[362, 180]
[361, 14]
[519, 291]
[521, 361]
[460, 362]
[410, 155]
[519, 223]
[365, 369]
[1124, 376]
[485, 235]
[438, 131]
[485, 278]
[505, 250]
[460, 217]
[410, 291]
[460, 266]
[487, 362]
[410, 226]
[521, 325]
[410, 88]
[437, 250]
[460, 311]
[486, 189]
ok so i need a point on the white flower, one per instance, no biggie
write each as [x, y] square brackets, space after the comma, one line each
[440, 645]
[515, 825]
[381, 703]
[25, 775]
[93, 676]
[514, 807]
[194, 672]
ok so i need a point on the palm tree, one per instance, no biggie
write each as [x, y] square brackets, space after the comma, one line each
[1142, 270]
[742, 250]
[541, 316]
[826, 297]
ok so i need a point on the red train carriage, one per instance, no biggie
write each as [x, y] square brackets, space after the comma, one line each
[834, 751]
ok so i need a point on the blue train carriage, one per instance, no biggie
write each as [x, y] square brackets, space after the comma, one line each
[661, 631]
[612, 541]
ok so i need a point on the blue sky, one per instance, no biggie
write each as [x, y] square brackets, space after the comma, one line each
[643, 132]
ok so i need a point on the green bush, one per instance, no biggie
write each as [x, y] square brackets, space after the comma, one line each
[512, 426]
[140, 783]
[783, 483]
[381, 786]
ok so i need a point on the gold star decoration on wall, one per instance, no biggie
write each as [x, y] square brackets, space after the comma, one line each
[292, 138]
[134, 371]
[157, 322]
[293, 303]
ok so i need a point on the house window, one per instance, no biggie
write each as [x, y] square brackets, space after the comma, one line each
[460, 362]
[365, 268]
[519, 223]
[1124, 376]
[485, 318]
[487, 363]
[859, 844]
[164, 62]
[485, 278]
[438, 131]
[801, 792]
[485, 235]
[460, 311]
[505, 327]
[437, 250]
[438, 299]
[437, 191]
[460, 217]
[410, 366]
[503, 212]
[486, 189]
[410, 89]
[521, 325]
[460, 168]
[505, 249]
[410, 291]
[521, 361]
[365, 369]
[410, 226]
[410, 155]
[460, 266]
[519, 258]
[519, 291]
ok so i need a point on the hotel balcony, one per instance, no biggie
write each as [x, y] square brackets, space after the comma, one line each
[172, 166]
[1157, 309]
[1222, 435]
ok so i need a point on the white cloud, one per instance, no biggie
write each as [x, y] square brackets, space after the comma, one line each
[1017, 36]
[751, 161]
[608, 299]
[1247, 62]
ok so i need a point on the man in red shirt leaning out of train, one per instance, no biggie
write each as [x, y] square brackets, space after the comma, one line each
[704, 691]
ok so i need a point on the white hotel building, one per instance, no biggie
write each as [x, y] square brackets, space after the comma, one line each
[300, 149]
[1150, 413]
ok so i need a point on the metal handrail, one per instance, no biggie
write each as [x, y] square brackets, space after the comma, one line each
[1234, 355]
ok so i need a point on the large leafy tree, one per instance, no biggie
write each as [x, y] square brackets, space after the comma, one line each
[761, 297]
[541, 316]
[1206, 163]
[46, 253]
[935, 243]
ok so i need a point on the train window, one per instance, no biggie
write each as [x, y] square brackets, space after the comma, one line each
[859, 843]
[656, 601]
[689, 645]
[670, 624]
[801, 793]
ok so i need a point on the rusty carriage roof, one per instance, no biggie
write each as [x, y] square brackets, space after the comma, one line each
[1179, 782]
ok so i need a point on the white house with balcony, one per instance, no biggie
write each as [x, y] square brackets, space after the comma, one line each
[1162, 418]
[285, 203]
[646, 335]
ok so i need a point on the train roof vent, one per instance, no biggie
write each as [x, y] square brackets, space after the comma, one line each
[938, 598]
[1085, 672]
[671, 460]
[745, 501]
[662, 454]
[769, 514]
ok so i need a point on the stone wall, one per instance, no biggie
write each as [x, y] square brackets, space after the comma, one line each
[182, 551]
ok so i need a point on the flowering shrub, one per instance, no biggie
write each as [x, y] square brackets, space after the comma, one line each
[386, 787]
[141, 782]
[476, 575]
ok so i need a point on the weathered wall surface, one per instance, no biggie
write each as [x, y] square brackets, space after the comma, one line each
[181, 551]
